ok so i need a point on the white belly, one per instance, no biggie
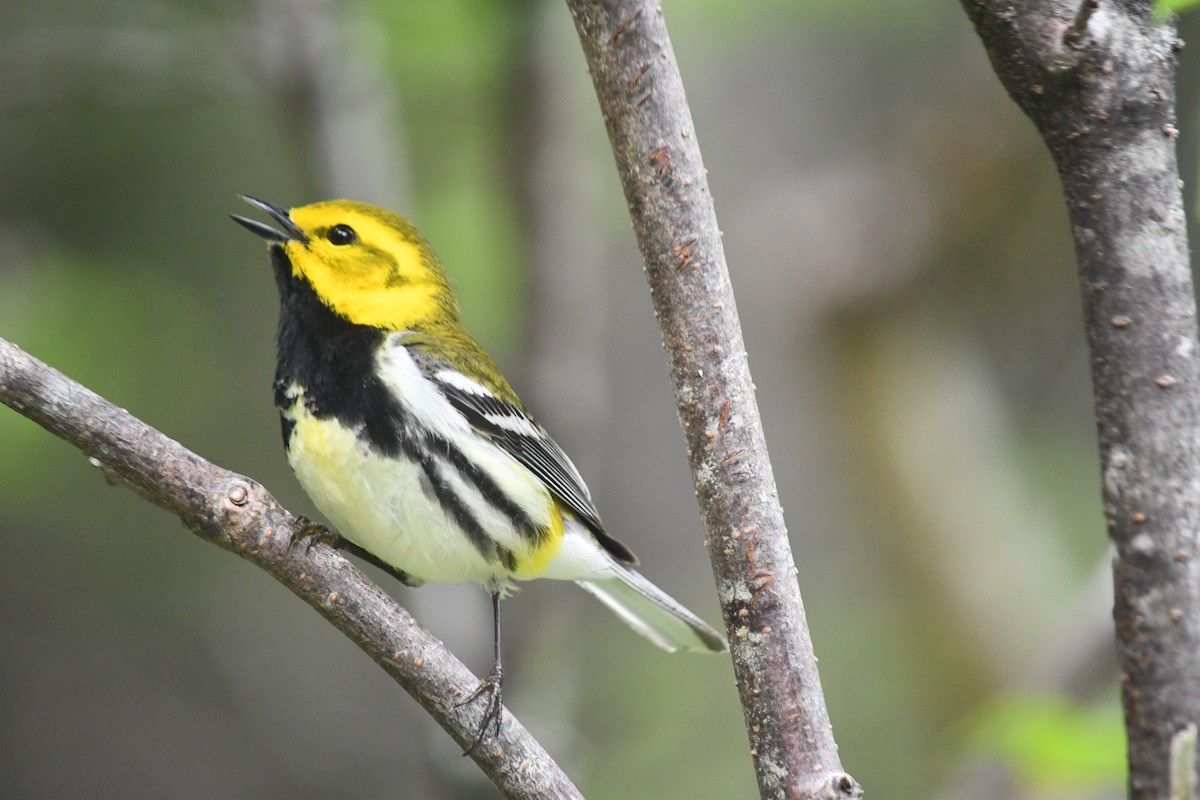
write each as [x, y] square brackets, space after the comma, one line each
[385, 506]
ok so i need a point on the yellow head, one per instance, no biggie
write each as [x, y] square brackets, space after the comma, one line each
[370, 266]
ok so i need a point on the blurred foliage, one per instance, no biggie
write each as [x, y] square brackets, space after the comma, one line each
[1164, 7]
[451, 61]
[1052, 744]
[75, 295]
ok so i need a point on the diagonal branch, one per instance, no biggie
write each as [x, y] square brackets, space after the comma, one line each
[1098, 81]
[239, 515]
[649, 124]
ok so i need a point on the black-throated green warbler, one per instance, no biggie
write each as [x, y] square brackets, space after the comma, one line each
[411, 442]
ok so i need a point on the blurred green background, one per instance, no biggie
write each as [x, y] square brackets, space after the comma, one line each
[904, 272]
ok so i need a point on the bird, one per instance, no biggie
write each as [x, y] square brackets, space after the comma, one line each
[408, 439]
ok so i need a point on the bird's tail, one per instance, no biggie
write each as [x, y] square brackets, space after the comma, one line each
[653, 613]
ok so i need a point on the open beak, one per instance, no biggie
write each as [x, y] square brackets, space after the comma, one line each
[290, 232]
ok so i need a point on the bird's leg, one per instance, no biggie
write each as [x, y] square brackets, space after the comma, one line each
[491, 685]
[398, 574]
[311, 533]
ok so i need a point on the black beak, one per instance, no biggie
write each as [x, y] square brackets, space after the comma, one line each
[290, 232]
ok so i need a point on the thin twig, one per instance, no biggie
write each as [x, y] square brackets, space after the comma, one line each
[237, 514]
[1078, 30]
[650, 127]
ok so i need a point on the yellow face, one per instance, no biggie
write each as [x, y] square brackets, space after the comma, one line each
[371, 266]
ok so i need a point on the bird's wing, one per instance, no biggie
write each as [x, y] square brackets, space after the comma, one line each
[512, 429]
[520, 436]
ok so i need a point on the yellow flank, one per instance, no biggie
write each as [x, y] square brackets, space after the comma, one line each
[389, 277]
[538, 559]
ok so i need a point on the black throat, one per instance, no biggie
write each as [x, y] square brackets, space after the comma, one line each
[333, 361]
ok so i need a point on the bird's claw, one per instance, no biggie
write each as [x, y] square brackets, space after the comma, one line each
[309, 533]
[493, 712]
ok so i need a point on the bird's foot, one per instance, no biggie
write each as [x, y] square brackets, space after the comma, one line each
[493, 712]
[309, 533]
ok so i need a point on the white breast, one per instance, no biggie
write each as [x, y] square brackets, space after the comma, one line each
[387, 505]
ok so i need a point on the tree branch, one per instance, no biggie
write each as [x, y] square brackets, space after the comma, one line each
[1097, 79]
[237, 514]
[649, 124]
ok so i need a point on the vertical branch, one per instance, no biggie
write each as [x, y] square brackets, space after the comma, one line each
[1097, 78]
[650, 127]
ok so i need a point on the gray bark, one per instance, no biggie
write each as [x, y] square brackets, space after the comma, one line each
[1098, 80]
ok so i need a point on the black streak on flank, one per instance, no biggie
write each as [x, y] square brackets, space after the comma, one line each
[450, 502]
[489, 489]
[287, 426]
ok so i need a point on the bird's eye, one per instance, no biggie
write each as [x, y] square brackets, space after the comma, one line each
[341, 234]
